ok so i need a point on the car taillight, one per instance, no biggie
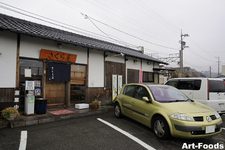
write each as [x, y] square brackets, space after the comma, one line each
[207, 89]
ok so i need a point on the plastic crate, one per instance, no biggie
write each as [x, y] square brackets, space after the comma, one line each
[81, 106]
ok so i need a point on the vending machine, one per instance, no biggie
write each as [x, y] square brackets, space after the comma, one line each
[30, 98]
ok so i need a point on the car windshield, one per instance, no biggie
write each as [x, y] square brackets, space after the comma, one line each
[167, 94]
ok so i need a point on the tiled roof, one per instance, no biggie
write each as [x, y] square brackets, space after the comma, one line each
[37, 30]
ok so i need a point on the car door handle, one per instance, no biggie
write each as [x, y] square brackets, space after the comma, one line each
[134, 102]
[122, 98]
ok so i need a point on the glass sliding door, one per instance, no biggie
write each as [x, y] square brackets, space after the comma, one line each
[77, 84]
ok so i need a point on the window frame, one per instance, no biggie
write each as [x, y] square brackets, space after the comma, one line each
[136, 92]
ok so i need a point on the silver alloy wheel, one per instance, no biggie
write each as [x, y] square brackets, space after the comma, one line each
[117, 110]
[159, 128]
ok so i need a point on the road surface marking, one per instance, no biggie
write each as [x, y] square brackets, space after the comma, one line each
[127, 134]
[23, 140]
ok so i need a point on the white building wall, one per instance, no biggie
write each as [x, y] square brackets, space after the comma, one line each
[96, 69]
[223, 70]
[130, 64]
[147, 66]
[8, 48]
[31, 47]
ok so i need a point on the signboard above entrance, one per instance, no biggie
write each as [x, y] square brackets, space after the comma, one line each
[56, 55]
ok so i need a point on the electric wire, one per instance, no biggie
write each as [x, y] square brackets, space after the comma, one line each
[43, 19]
[196, 44]
[157, 18]
[128, 20]
[151, 11]
[134, 23]
[90, 18]
[84, 32]
[102, 30]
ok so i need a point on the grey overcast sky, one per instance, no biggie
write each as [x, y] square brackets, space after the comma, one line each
[154, 24]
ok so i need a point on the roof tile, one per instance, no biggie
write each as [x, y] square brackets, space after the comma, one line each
[26, 27]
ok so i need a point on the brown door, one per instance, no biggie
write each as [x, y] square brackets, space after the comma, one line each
[55, 93]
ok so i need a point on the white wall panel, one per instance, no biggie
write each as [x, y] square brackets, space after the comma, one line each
[130, 64]
[31, 47]
[96, 69]
[223, 70]
[147, 67]
[8, 48]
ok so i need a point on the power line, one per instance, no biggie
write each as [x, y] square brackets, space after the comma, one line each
[146, 30]
[52, 22]
[158, 17]
[43, 19]
[200, 56]
[90, 18]
[195, 43]
[86, 17]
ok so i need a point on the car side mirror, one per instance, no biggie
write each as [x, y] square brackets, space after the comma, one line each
[145, 99]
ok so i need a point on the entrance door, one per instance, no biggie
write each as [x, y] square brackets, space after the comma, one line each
[57, 77]
[55, 93]
[77, 84]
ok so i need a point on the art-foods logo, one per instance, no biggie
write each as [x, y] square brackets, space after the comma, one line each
[203, 146]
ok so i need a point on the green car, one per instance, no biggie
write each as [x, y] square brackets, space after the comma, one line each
[167, 111]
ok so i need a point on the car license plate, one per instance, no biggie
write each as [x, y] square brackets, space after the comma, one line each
[210, 129]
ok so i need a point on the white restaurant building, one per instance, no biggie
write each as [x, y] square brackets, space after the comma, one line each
[29, 51]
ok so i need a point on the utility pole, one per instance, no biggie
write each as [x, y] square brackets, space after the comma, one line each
[182, 45]
[218, 65]
[210, 71]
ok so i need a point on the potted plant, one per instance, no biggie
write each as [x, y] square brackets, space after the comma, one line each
[10, 113]
[94, 104]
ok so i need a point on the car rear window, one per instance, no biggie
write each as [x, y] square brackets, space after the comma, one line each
[185, 84]
[216, 86]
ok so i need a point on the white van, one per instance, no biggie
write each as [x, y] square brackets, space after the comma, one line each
[209, 91]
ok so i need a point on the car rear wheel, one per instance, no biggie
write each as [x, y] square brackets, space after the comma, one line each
[161, 128]
[117, 110]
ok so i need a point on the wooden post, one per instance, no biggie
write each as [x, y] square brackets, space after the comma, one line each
[87, 75]
[67, 96]
[18, 62]
[44, 74]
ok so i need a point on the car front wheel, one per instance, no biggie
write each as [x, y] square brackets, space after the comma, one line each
[161, 128]
[117, 110]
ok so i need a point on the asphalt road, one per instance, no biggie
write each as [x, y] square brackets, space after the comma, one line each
[88, 133]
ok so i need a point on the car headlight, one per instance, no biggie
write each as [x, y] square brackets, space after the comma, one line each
[217, 115]
[180, 116]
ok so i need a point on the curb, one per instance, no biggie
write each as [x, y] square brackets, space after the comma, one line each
[48, 118]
